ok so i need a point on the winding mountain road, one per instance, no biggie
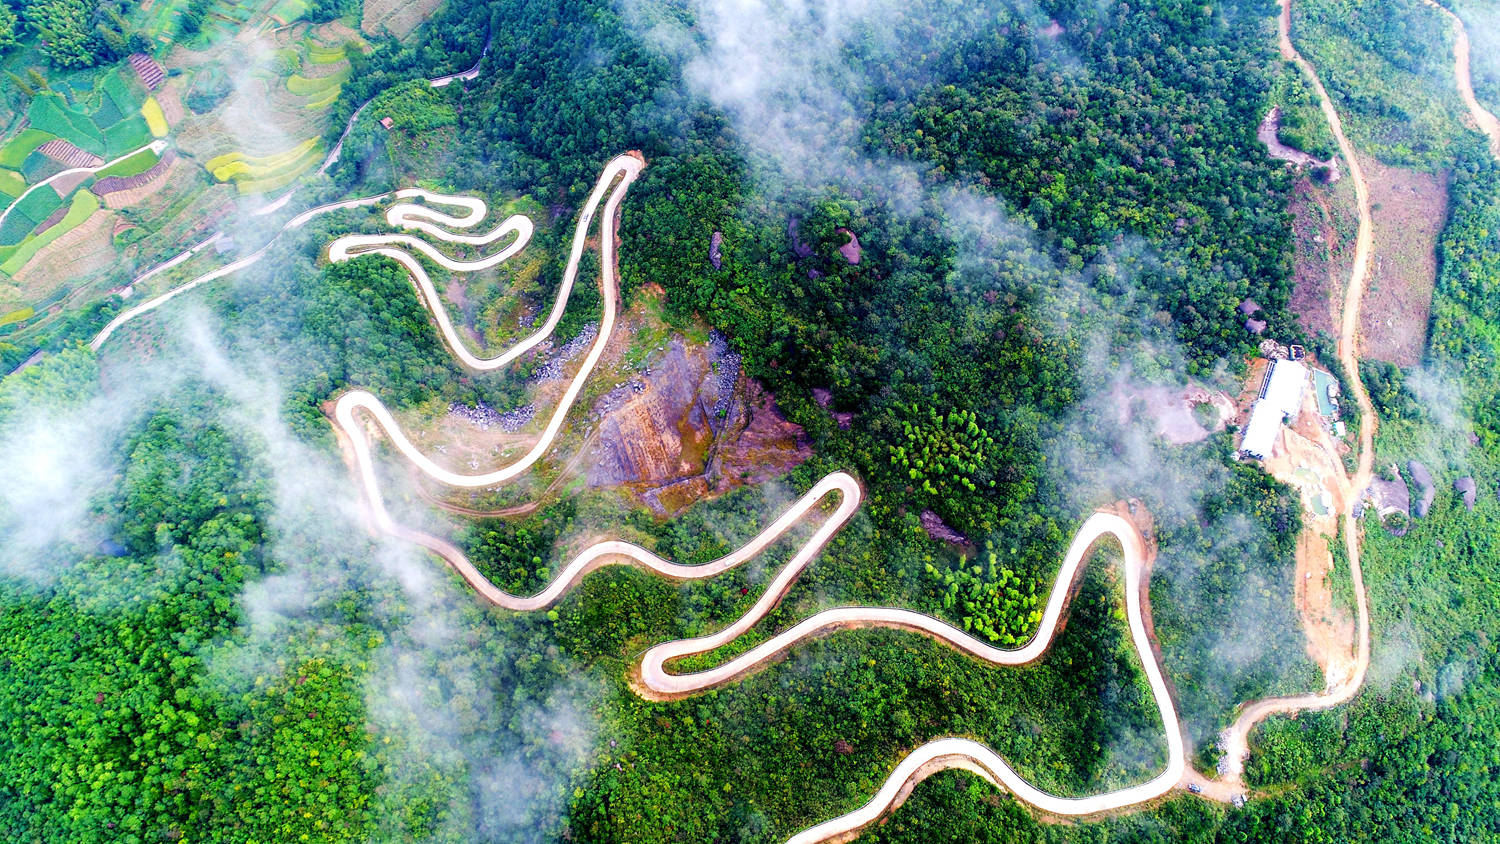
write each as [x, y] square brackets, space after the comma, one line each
[358, 414]
[354, 409]
[148, 306]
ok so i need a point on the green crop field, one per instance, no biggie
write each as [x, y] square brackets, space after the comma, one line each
[16, 226]
[319, 54]
[12, 184]
[115, 89]
[27, 213]
[130, 133]
[108, 113]
[135, 164]
[289, 10]
[14, 153]
[304, 86]
[324, 101]
[50, 113]
[38, 167]
[17, 316]
[84, 204]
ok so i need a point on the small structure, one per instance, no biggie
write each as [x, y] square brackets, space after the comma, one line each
[1280, 397]
[1326, 389]
[387, 123]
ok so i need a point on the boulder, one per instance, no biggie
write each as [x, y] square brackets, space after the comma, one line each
[1466, 488]
[1426, 491]
[937, 529]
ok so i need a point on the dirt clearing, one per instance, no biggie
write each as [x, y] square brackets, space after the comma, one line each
[400, 17]
[1323, 226]
[83, 251]
[1409, 209]
[1308, 459]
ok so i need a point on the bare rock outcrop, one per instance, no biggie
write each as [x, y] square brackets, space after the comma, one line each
[938, 529]
[1390, 498]
[694, 426]
[851, 251]
[800, 248]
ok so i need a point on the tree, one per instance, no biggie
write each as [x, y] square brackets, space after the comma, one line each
[7, 27]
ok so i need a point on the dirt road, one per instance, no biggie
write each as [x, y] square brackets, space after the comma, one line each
[1482, 116]
[146, 307]
[654, 679]
[155, 146]
[1236, 738]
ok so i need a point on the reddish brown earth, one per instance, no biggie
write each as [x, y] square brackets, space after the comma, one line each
[1408, 208]
[691, 429]
[1320, 216]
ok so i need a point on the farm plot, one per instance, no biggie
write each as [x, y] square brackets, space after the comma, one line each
[258, 174]
[84, 204]
[323, 68]
[15, 151]
[12, 184]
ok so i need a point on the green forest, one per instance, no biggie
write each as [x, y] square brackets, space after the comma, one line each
[202, 641]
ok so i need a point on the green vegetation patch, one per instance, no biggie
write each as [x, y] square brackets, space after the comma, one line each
[17, 225]
[258, 174]
[414, 107]
[319, 54]
[11, 184]
[138, 163]
[14, 153]
[17, 316]
[210, 86]
[38, 167]
[116, 91]
[1387, 64]
[108, 113]
[324, 101]
[27, 213]
[304, 86]
[51, 113]
[84, 204]
[287, 11]
[131, 133]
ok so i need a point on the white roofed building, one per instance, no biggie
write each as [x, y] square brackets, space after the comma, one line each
[1280, 397]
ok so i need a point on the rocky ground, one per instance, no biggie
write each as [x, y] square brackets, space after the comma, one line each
[692, 425]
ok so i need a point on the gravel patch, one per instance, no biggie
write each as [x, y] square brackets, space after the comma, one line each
[484, 417]
[553, 368]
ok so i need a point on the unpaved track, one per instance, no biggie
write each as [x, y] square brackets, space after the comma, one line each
[654, 679]
[1482, 116]
[1236, 738]
[146, 307]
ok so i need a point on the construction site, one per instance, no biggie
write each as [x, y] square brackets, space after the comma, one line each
[1289, 416]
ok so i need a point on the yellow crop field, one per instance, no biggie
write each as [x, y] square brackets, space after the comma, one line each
[156, 121]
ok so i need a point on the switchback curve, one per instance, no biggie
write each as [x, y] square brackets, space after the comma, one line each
[654, 679]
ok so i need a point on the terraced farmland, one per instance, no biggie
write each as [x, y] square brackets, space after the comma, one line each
[259, 174]
[72, 131]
